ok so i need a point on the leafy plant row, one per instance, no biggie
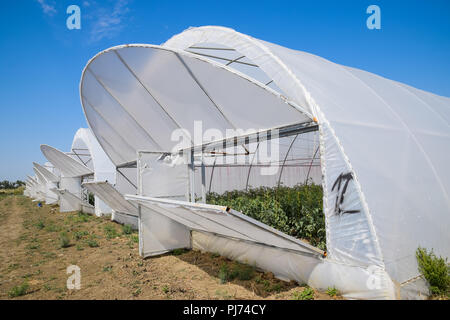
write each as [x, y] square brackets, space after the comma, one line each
[296, 211]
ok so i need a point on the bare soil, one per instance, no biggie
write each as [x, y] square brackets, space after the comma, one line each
[33, 262]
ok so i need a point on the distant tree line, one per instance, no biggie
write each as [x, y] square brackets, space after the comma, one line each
[5, 184]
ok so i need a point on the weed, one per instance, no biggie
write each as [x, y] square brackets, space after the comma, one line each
[64, 241]
[332, 292]
[127, 229]
[92, 243]
[435, 270]
[137, 292]
[238, 271]
[165, 289]
[110, 231]
[177, 252]
[107, 268]
[40, 225]
[19, 290]
[306, 294]
[80, 234]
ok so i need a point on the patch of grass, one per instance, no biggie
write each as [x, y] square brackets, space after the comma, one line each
[52, 228]
[13, 266]
[33, 246]
[435, 270]
[306, 294]
[165, 289]
[64, 240]
[19, 290]
[137, 292]
[178, 252]
[223, 273]
[332, 292]
[238, 271]
[107, 268]
[92, 243]
[80, 235]
[110, 231]
[127, 229]
[215, 255]
[40, 225]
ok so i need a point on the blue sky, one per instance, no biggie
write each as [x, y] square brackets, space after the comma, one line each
[41, 60]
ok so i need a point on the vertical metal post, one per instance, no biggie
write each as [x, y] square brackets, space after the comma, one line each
[203, 181]
[192, 175]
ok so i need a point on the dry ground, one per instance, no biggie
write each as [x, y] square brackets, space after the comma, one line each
[33, 263]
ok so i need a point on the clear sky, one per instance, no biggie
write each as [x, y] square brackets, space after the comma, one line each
[41, 60]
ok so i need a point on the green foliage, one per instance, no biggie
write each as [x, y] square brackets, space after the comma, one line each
[223, 273]
[306, 294]
[135, 238]
[177, 252]
[40, 225]
[332, 292]
[238, 271]
[110, 231]
[107, 268]
[19, 290]
[91, 199]
[296, 211]
[64, 241]
[92, 243]
[435, 270]
[5, 184]
[127, 229]
[80, 234]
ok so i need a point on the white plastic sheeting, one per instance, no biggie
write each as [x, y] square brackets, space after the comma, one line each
[47, 182]
[88, 151]
[163, 175]
[206, 218]
[49, 176]
[123, 211]
[120, 83]
[71, 202]
[69, 167]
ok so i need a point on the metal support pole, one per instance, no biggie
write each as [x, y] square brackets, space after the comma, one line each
[203, 171]
[192, 176]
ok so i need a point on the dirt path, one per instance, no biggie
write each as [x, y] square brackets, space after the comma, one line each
[33, 263]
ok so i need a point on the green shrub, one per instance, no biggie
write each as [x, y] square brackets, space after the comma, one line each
[92, 243]
[80, 234]
[332, 292]
[64, 241]
[127, 229]
[296, 211]
[435, 270]
[223, 273]
[19, 290]
[306, 294]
